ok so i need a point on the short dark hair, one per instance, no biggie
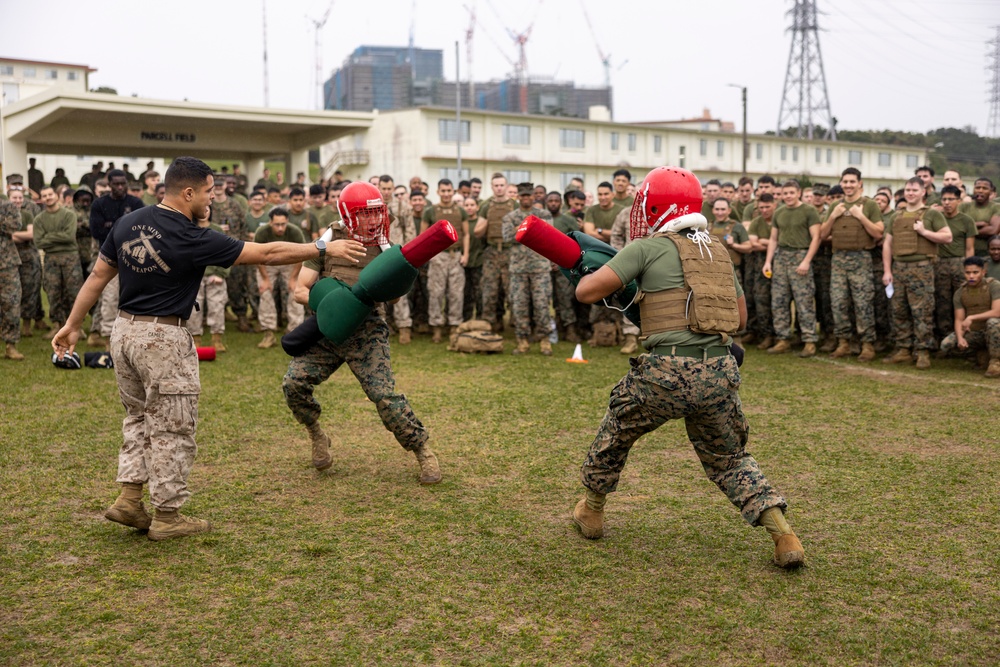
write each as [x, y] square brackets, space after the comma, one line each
[276, 211]
[273, 189]
[975, 260]
[553, 192]
[296, 192]
[446, 181]
[316, 189]
[464, 184]
[924, 168]
[915, 180]
[714, 181]
[622, 172]
[183, 172]
[116, 173]
[386, 178]
[160, 186]
[766, 197]
[722, 199]
[474, 180]
[575, 194]
[745, 180]
[851, 170]
[256, 193]
[151, 173]
[727, 184]
[835, 190]
[951, 190]
[985, 180]
[792, 183]
[605, 184]
[766, 179]
[417, 193]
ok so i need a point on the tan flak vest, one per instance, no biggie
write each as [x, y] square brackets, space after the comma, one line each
[733, 255]
[977, 300]
[905, 241]
[848, 233]
[494, 220]
[707, 302]
[346, 270]
[452, 214]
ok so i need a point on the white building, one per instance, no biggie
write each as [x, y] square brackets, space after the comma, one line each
[551, 150]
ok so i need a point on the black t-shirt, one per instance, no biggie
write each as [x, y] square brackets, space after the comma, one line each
[106, 210]
[161, 258]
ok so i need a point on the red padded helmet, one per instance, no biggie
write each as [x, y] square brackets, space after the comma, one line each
[364, 213]
[665, 195]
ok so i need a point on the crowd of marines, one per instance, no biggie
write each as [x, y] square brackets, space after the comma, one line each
[827, 268]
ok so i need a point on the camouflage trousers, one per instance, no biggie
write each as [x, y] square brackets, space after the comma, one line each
[496, 275]
[473, 292]
[10, 305]
[562, 299]
[949, 275]
[210, 308]
[851, 283]
[445, 288]
[157, 370]
[786, 286]
[30, 272]
[703, 393]
[268, 313]
[109, 306]
[913, 304]
[883, 311]
[987, 339]
[822, 268]
[757, 290]
[366, 353]
[401, 313]
[240, 284]
[63, 279]
[530, 295]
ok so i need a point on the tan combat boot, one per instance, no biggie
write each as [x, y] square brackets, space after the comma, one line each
[242, 323]
[128, 509]
[523, 346]
[923, 359]
[268, 341]
[12, 353]
[430, 471]
[631, 344]
[902, 356]
[843, 349]
[546, 347]
[168, 524]
[994, 370]
[780, 347]
[808, 351]
[404, 336]
[51, 333]
[766, 344]
[435, 334]
[867, 352]
[320, 447]
[217, 343]
[589, 515]
[197, 340]
[94, 339]
[788, 551]
[829, 345]
[26, 328]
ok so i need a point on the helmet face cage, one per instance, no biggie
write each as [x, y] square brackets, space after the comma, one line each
[369, 225]
[638, 227]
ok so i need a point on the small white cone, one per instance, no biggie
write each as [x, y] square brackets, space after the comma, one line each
[577, 357]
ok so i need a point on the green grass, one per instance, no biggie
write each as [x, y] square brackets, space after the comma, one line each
[891, 476]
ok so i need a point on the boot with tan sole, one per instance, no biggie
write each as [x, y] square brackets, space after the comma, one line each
[168, 524]
[589, 515]
[780, 347]
[631, 345]
[435, 334]
[766, 344]
[923, 359]
[867, 352]
[51, 333]
[217, 343]
[843, 349]
[523, 346]
[128, 509]
[197, 340]
[829, 345]
[404, 336]
[320, 447]
[12, 353]
[26, 328]
[268, 341]
[808, 351]
[95, 340]
[430, 471]
[901, 356]
[994, 369]
[788, 551]
[546, 347]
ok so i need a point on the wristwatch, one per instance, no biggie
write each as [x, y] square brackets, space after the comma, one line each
[321, 246]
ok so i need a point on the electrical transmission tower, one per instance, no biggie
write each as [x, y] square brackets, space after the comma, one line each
[805, 103]
[993, 123]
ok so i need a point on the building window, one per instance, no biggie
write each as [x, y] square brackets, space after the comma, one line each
[760, 151]
[819, 155]
[516, 176]
[6, 70]
[853, 157]
[784, 152]
[829, 156]
[51, 74]
[567, 176]
[720, 148]
[516, 135]
[71, 76]
[29, 73]
[681, 158]
[570, 138]
[703, 147]
[446, 131]
[631, 142]
[795, 153]
[657, 143]
[453, 174]
[885, 159]
[911, 161]
[614, 141]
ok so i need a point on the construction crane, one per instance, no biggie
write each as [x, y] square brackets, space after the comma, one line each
[317, 33]
[521, 66]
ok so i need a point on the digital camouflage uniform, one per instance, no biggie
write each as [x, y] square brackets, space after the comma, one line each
[787, 285]
[212, 299]
[55, 235]
[10, 279]
[822, 268]
[84, 241]
[756, 284]
[366, 353]
[530, 283]
[241, 284]
[660, 386]
[30, 272]
[949, 272]
[278, 276]
[496, 258]
[563, 292]
[851, 272]
[913, 283]
[401, 231]
[445, 274]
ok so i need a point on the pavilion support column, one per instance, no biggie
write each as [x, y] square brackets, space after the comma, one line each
[15, 158]
[298, 160]
[254, 169]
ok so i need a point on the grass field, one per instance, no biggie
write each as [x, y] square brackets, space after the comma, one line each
[891, 475]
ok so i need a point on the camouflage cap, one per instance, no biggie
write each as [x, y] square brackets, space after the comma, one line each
[525, 189]
[15, 179]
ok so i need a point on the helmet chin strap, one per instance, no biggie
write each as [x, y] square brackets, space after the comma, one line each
[694, 221]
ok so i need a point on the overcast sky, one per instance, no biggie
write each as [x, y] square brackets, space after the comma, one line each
[893, 64]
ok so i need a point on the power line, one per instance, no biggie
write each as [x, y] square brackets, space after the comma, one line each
[804, 101]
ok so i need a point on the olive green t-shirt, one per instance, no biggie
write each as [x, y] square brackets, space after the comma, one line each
[933, 221]
[602, 219]
[962, 227]
[306, 221]
[566, 223]
[992, 269]
[655, 265]
[255, 222]
[994, 285]
[980, 214]
[624, 202]
[220, 271]
[149, 199]
[326, 216]
[760, 228]
[293, 234]
[793, 226]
